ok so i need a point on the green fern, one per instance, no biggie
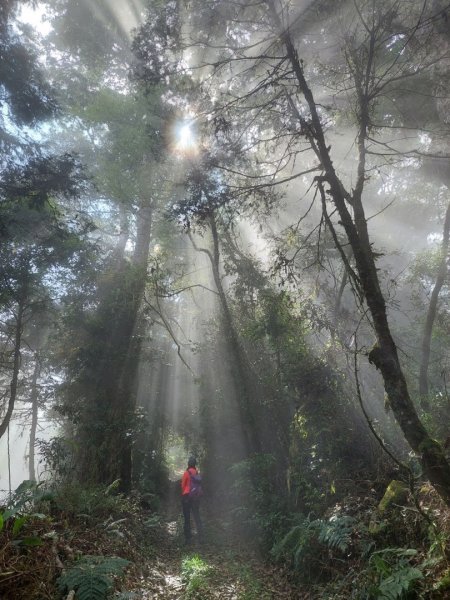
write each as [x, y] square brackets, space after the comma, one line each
[336, 532]
[293, 543]
[398, 583]
[396, 576]
[91, 578]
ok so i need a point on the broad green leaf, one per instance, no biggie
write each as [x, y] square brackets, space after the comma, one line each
[32, 540]
[18, 524]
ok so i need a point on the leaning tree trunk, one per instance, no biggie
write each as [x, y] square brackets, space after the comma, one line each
[384, 356]
[16, 362]
[431, 315]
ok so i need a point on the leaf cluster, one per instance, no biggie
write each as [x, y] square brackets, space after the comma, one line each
[23, 88]
[92, 576]
[304, 543]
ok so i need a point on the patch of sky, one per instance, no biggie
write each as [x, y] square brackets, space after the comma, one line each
[36, 16]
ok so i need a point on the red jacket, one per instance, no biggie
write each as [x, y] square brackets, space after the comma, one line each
[186, 480]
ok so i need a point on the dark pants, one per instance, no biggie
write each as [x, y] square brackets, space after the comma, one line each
[191, 505]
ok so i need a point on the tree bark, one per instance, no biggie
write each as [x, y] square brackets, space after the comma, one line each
[107, 421]
[16, 360]
[122, 394]
[34, 418]
[431, 315]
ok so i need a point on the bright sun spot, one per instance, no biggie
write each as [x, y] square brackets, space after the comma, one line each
[185, 139]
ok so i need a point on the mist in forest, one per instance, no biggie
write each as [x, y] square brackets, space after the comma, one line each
[171, 373]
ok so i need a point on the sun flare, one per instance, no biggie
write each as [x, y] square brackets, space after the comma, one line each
[185, 139]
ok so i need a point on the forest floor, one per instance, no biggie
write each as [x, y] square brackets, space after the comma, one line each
[74, 539]
[223, 567]
[50, 555]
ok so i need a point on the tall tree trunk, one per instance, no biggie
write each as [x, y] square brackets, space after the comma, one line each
[241, 367]
[384, 356]
[34, 417]
[16, 361]
[431, 314]
[107, 422]
[124, 233]
[123, 393]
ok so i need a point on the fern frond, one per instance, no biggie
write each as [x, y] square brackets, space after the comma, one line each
[336, 532]
[90, 576]
[398, 583]
[295, 538]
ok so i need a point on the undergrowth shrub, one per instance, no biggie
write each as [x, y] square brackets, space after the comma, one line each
[95, 502]
[21, 510]
[309, 544]
[91, 577]
[392, 573]
[27, 565]
[195, 573]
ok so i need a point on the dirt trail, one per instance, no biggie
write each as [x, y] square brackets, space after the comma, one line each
[221, 568]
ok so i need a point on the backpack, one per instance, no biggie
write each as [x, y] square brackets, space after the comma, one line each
[195, 490]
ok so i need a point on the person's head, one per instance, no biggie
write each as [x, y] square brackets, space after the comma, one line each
[192, 462]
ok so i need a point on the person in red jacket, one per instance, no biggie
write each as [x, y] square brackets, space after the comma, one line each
[190, 499]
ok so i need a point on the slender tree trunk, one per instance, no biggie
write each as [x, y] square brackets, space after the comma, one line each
[16, 363]
[124, 233]
[241, 367]
[338, 303]
[34, 418]
[431, 315]
[384, 356]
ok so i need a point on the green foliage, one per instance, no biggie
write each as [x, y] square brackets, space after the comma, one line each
[91, 577]
[259, 504]
[394, 574]
[306, 541]
[20, 511]
[195, 572]
[92, 502]
[152, 522]
[444, 582]
[336, 532]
